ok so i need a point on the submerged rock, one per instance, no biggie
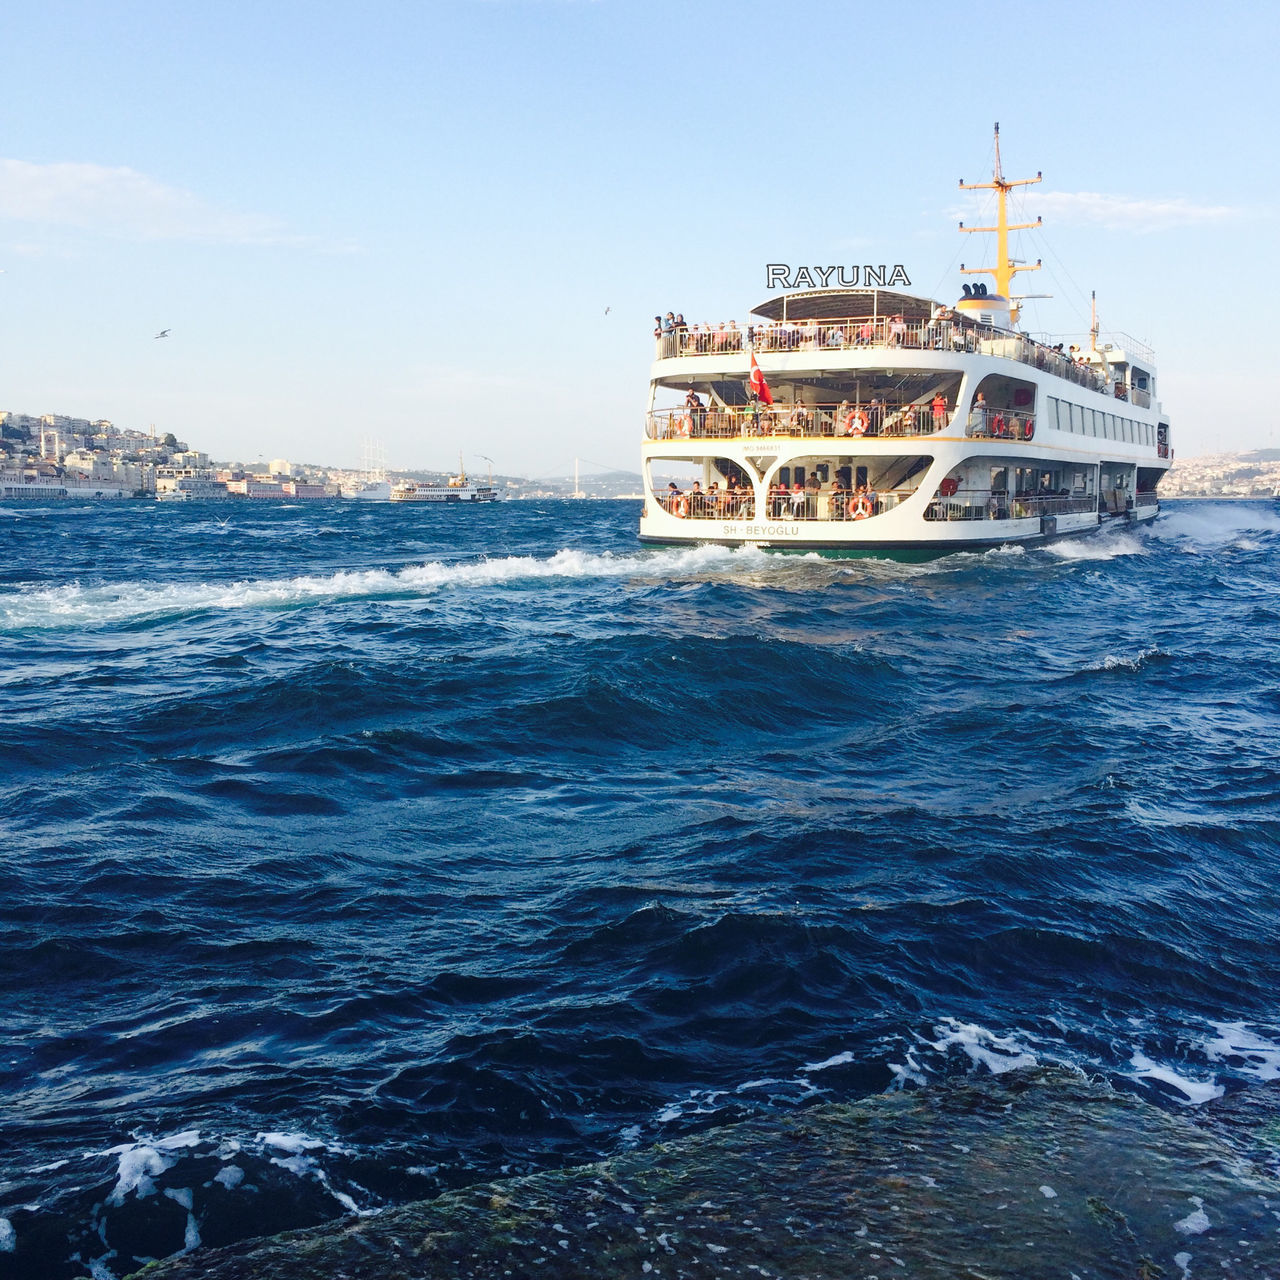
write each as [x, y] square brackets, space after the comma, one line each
[1037, 1173]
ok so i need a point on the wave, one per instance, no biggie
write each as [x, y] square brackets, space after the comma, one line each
[1217, 523]
[78, 605]
[1104, 545]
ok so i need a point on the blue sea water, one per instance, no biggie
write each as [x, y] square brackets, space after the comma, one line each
[354, 852]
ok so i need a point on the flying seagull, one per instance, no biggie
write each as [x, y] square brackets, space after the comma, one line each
[164, 333]
[607, 310]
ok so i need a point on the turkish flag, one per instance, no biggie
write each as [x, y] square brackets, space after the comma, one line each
[757, 383]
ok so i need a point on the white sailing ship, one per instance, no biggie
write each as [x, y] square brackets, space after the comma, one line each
[870, 419]
[372, 485]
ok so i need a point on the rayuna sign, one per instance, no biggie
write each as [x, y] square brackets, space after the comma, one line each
[778, 275]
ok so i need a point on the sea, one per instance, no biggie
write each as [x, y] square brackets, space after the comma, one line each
[353, 852]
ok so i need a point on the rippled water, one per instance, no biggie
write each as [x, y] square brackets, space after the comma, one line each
[357, 851]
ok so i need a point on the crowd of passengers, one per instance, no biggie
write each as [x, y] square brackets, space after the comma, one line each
[786, 335]
[945, 329]
[799, 501]
[877, 417]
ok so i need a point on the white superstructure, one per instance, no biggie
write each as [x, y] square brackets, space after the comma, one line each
[458, 489]
[879, 420]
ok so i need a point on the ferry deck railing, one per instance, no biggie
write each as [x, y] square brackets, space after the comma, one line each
[781, 504]
[992, 504]
[987, 422]
[813, 421]
[883, 333]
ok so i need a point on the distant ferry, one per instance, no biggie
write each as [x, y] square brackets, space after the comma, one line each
[870, 419]
[458, 489]
[16, 487]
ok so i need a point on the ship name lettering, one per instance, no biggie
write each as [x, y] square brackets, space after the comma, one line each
[761, 530]
[778, 275]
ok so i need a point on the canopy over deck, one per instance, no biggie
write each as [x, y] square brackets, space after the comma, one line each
[846, 304]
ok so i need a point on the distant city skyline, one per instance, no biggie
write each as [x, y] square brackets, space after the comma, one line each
[449, 226]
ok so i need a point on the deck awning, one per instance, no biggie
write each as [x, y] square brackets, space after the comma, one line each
[846, 304]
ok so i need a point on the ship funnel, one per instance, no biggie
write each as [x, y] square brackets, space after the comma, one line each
[986, 308]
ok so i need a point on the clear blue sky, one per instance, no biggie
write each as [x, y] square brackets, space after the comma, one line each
[406, 220]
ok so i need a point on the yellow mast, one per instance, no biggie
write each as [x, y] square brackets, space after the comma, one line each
[1005, 269]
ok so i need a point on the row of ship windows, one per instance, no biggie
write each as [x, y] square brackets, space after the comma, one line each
[1093, 422]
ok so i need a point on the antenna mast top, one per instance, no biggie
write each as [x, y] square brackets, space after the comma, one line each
[1005, 269]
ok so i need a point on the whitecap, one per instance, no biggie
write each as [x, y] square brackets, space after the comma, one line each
[1194, 1091]
[838, 1061]
[1261, 1057]
[984, 1048]
[1196, 1222]
[1100, 546]
[138, 1167]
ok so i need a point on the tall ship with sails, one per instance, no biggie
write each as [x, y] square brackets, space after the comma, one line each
[870, 419]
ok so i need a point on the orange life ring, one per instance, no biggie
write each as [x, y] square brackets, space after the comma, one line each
[1028, 429]
[862, 508]
[949, 487]
[859, 427]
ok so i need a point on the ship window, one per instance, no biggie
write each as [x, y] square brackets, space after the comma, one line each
[1053, 412]
[1075, 417]
[824, 471]
[1090, 422]
[860, 477]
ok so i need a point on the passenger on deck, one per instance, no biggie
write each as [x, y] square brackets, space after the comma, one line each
[875, 418]
[897, 331]
[939, 407]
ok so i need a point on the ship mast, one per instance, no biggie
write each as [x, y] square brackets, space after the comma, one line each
[1005, 268]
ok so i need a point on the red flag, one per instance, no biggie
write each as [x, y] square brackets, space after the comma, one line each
[757, 383]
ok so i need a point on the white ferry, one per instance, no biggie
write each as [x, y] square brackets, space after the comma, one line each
[458, 489]
[14, 485]
[869, 419]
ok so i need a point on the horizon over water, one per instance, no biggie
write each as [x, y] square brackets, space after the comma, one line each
[354, 852]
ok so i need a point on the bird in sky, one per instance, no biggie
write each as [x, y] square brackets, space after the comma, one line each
[607, 310]
[164, 333]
